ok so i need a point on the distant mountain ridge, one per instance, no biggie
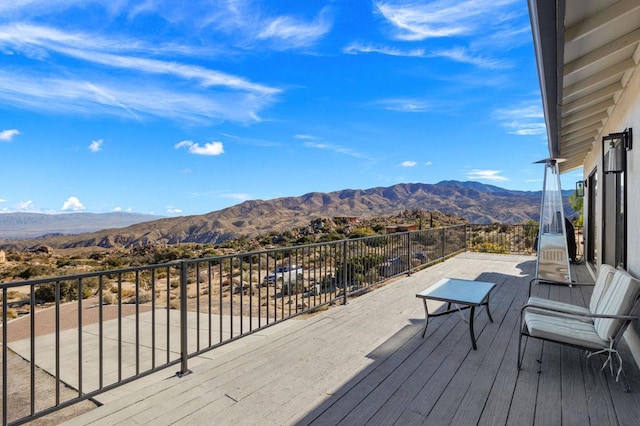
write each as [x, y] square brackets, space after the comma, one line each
[32, 225]
[473, 201]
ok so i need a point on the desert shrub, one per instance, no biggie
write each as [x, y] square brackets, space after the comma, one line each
[306, 239]
[114, 262]
[293, 287]
[63, 261]
[127, 292]
[143, 297]
[68, 292]
[33, 271]
[107, 299]
[11, 314]
[362, 232]
[491, 248]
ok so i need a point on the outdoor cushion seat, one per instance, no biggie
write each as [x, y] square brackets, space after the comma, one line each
[599, 330]
[603, 281]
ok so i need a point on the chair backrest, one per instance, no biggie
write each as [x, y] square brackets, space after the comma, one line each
[618, 299]
[603, 281]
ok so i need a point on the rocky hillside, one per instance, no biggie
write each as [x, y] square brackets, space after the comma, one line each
[475, 202]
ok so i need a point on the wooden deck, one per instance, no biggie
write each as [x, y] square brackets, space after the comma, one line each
[365, 363]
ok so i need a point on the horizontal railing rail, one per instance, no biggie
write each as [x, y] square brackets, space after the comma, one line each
[95, 331]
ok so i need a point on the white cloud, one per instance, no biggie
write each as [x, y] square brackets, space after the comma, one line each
[2, 200]
[117, 209]
[200, 94]
[72, 204]
[428, 163]
[335, 148]
[26, 206]
[441, 18]
[237, 196]
[174, 210]
[408, 163]
[287, 32]
[355, 48]
[127, 99]
[96, 145]
[404, 105]
[209, 148]
[7, 135]
[490, 175]
[305, 137]
[526, 119]
[464, 55]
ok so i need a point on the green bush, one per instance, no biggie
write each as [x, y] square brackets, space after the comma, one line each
[68, 292]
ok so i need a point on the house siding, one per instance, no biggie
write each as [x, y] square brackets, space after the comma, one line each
[625, 115]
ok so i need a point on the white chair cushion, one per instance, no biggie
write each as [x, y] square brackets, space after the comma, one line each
[553, 304]
[564, 329]
[603, 281]
[617, 300]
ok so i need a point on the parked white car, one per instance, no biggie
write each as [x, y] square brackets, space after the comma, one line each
[285, 274]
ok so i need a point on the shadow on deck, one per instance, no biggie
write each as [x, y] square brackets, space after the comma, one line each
[366, 363]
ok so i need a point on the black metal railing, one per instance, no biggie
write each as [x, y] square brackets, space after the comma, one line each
[510, 239]
[99, 330]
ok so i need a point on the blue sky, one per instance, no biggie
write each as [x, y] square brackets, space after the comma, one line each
[180, 108]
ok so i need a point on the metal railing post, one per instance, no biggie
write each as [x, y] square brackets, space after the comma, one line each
[344, 272]
[409, 253]
[184, 352]
[5, 388]
[442, 244]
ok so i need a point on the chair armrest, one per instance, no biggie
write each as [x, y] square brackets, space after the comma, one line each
[564, 313]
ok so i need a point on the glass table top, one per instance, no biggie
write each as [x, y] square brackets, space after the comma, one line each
[458, 291]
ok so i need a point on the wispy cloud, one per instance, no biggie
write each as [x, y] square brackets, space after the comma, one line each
[305, 137]
[173, 210]
[441, 18]
[356, 47]
[237, 196]
[96, 146]
[126, 99]
[408, 163]
[404, 105]
[526, 119]
[288, 32]
[477, 29]
[26, 206]
[209, 148]
[490, 175]
[8, 135]
[72, 204]
[207, 93]
[465, 55]
[335, 148]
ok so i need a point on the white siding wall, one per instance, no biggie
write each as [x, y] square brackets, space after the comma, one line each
[625, 115]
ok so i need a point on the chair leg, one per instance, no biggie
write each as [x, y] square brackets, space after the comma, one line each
[623, 380]
[519, 346]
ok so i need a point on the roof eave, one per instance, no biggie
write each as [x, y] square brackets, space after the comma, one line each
[547, 24]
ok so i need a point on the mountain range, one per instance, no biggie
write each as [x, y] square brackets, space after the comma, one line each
[473, 201]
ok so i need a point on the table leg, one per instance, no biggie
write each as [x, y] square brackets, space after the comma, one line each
[488, 311]
[426, 320]
[473, 336]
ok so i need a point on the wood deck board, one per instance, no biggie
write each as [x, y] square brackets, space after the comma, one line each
[366, 363]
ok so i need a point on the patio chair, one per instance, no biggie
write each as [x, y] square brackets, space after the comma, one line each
[603, 280]
[598, 331]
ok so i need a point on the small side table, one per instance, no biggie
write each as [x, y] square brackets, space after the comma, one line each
[466, 294]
